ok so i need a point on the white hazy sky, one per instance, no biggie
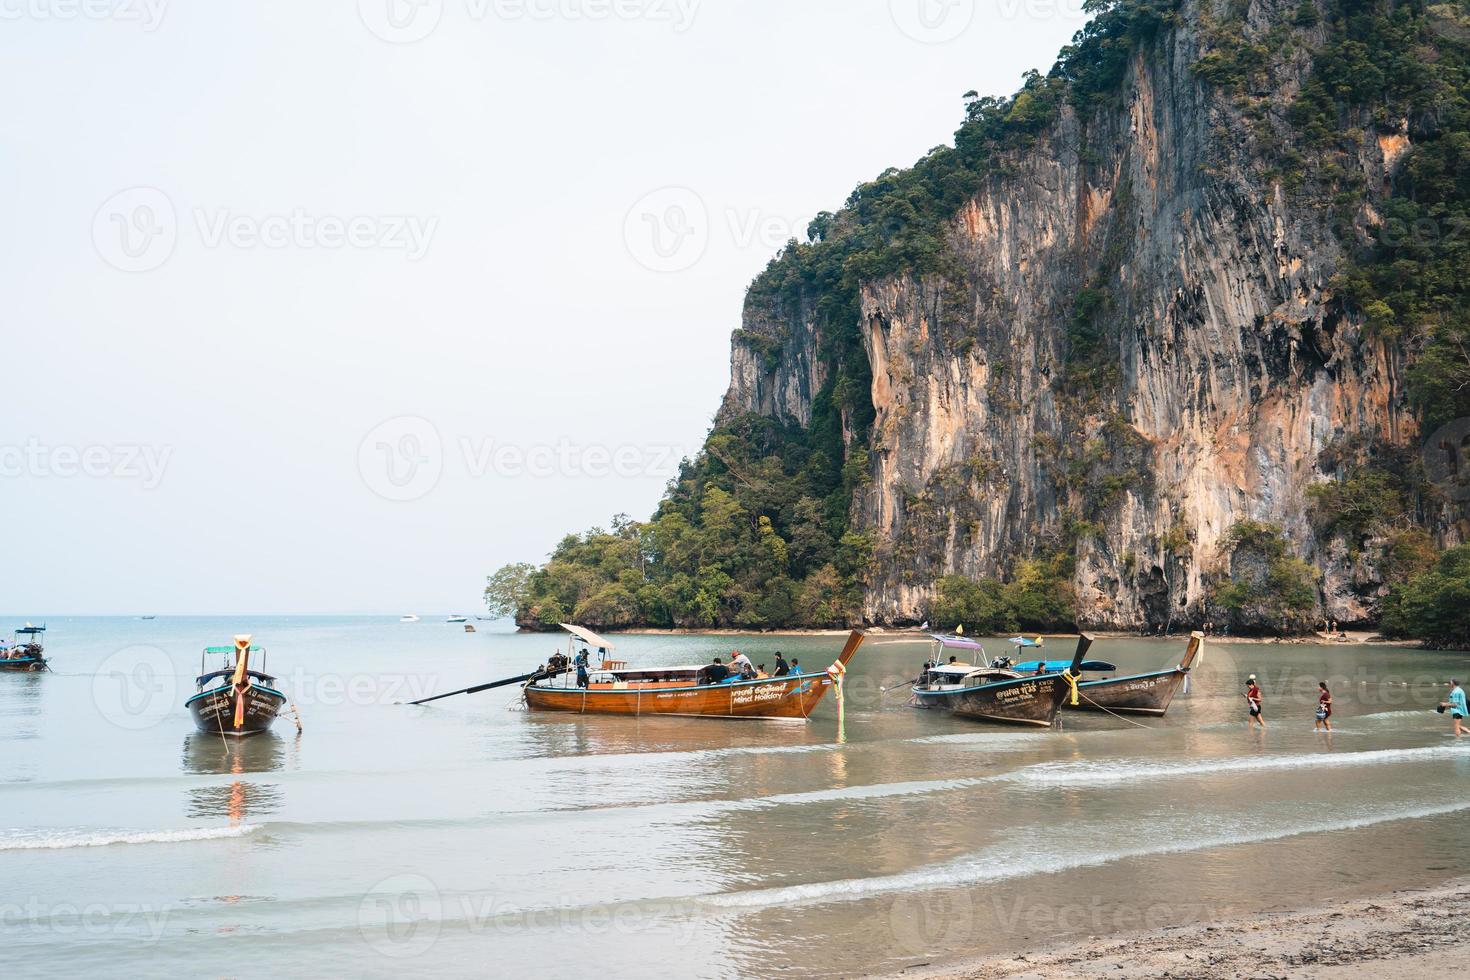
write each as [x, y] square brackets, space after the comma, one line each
[338, 306]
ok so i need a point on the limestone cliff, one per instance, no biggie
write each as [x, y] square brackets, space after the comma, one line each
[1233, 364]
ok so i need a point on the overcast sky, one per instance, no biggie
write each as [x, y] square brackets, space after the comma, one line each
[338, 306]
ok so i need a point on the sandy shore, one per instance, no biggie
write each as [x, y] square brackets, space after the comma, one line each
[1416, 933]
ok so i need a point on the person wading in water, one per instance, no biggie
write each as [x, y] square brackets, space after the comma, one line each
[1253, 700]
[1324, 709]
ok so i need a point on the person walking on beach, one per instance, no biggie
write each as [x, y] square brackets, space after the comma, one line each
[1456, 706]
[1324, 709]
[1253, 700]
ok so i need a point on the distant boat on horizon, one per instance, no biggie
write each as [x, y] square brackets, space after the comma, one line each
[410, 618]
[457, 618]
[147, 617]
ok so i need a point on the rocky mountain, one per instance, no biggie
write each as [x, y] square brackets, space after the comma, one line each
[1155, 342]
[1136, 334]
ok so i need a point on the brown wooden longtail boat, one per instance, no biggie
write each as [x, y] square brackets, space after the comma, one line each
[1137, 694]
[993, 690]
[242, 702]
[613, 688]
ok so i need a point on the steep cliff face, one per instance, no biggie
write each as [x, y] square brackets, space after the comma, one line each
[1221, 364]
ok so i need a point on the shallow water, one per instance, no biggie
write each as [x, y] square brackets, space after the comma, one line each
[467, 838]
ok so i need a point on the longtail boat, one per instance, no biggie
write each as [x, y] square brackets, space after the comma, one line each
[1136, 694]
[235, 700]
[25, 652]
[614, 688]
[993, 690]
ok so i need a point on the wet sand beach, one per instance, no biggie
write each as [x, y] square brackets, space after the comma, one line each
[1410, 933]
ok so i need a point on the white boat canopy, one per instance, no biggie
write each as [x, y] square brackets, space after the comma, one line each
[587, 636]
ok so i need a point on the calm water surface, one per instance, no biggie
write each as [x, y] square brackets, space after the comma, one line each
[471, 839]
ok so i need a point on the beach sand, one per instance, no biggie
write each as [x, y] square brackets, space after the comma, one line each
[1413, 933]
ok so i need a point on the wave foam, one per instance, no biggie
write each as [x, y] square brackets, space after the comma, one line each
[57, 840]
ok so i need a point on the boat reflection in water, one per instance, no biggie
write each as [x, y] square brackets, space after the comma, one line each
[239, 799]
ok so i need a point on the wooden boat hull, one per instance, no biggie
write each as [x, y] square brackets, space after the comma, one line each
[1030, 701]
[1141, 694]
[791, 698]
[214, 711]
[23, 664]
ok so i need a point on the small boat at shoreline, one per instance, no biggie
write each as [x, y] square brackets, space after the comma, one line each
[613, 688]
[241, 702]
[988, 690]
[26, 652]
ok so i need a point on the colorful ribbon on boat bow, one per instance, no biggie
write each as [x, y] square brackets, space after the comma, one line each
[1071, 679]
[837, 672]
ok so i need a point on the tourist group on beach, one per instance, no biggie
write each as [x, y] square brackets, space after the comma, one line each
[1455, 705]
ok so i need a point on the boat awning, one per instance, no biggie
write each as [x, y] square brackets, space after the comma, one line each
[587, 636]
[30, 630]
[1057, 666]
[229, 649]
[1021, 641]
[956, 642]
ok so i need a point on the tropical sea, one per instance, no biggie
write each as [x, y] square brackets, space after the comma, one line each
[467, 838]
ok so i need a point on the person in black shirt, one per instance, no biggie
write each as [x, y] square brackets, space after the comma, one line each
[782, 668]
[716, 672]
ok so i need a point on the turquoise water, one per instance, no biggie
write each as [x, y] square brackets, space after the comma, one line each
[468, 838]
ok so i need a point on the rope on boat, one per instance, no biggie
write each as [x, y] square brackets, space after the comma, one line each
[1101, 707]
[295, 716]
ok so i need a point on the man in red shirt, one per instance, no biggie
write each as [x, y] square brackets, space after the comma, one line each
[1253, 699]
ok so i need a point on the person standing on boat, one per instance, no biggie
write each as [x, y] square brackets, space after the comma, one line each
[1324, 709]
[1253, 700]
[782, 667]
[581, 662]
[740, 664]
[1456, 706]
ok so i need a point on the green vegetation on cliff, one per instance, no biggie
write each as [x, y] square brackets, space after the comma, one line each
[755, 531]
